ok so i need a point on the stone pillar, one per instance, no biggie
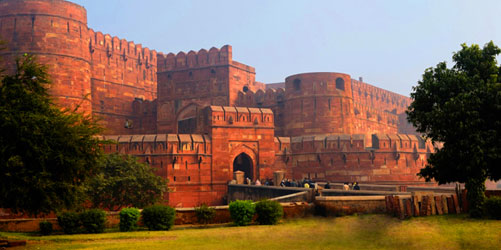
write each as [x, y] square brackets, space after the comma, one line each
[278, 176]
[239, 177]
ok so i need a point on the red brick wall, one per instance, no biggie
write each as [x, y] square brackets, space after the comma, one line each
[194, 80]
[56, 32]
[348, 158]
[121, 72]
[317, 106]
[198, 167]
[101, 73]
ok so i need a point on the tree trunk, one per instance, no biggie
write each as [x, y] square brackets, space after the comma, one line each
[475, 196]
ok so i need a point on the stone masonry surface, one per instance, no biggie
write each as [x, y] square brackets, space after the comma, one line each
[197, 117]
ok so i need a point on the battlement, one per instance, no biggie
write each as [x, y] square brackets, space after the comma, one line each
[328, 142]
[282, 145]
[150, 144]
[358, 143]
[240, 116]
[192, 59]
[377, 97]
[363, 111]
[264, 98]
[400, 142]
[116, 48]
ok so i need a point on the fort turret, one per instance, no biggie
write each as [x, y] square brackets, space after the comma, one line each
[56, 32]
[318, 103]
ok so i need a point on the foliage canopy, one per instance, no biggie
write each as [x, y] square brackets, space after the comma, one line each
[461, 108]
[46, 153]
[123, 181]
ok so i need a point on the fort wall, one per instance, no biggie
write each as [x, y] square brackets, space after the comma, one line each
[348, 158]
[100, 73]
[211, 117]
[379, 98]
[199, 79]
[318, 103]
[121, 72]
[56, 32]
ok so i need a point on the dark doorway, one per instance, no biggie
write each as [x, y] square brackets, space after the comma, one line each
[243, 163]
[187, 126]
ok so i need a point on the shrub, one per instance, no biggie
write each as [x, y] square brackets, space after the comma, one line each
[205, 214]
[269, 212]
[69, 222]
[492, 207]
[158, 217]
[241, 212]
[45, 227]
[93, 220]
[128, 219]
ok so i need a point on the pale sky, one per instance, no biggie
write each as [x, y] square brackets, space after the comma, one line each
[388, 43]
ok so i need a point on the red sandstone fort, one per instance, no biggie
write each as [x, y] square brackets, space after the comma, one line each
[197, 117]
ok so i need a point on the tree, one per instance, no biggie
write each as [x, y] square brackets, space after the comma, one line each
[461, 107]
[123, 181]
[46, 153]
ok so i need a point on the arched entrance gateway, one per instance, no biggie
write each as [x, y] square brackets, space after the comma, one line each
[243, 163]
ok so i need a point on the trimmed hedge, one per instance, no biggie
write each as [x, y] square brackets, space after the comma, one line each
[69, 222]
[158, 217]
[269, 212]
[205, 214]
[93, 220]
[128, 219]
[45, 227]
[241, 212]
[492, 207]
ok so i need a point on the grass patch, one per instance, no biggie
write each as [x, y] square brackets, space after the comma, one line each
[354, 232]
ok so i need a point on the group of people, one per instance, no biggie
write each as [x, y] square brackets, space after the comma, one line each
[346, 186]
[265, 182]
[351, 186]
[306, 183]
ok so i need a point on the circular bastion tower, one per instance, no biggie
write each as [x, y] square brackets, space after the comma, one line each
[56, 32]
[318, 103]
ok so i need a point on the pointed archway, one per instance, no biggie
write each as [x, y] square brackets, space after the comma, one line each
[243, 162]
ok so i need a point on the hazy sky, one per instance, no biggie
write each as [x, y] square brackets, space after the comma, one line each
[388, 43]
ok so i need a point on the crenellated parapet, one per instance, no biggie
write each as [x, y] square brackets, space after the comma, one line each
[122, 72]
[379, 98]
[159, 144]
[328, 143]
[345, 157]
[262, 98]
[240, 116]
[111, 49]
[386, 118]
[192, 59]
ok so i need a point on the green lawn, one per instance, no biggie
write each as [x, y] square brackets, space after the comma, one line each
[350, 232]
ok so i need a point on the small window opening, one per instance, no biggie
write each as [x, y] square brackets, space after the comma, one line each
[297, 84]
[340, 83]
